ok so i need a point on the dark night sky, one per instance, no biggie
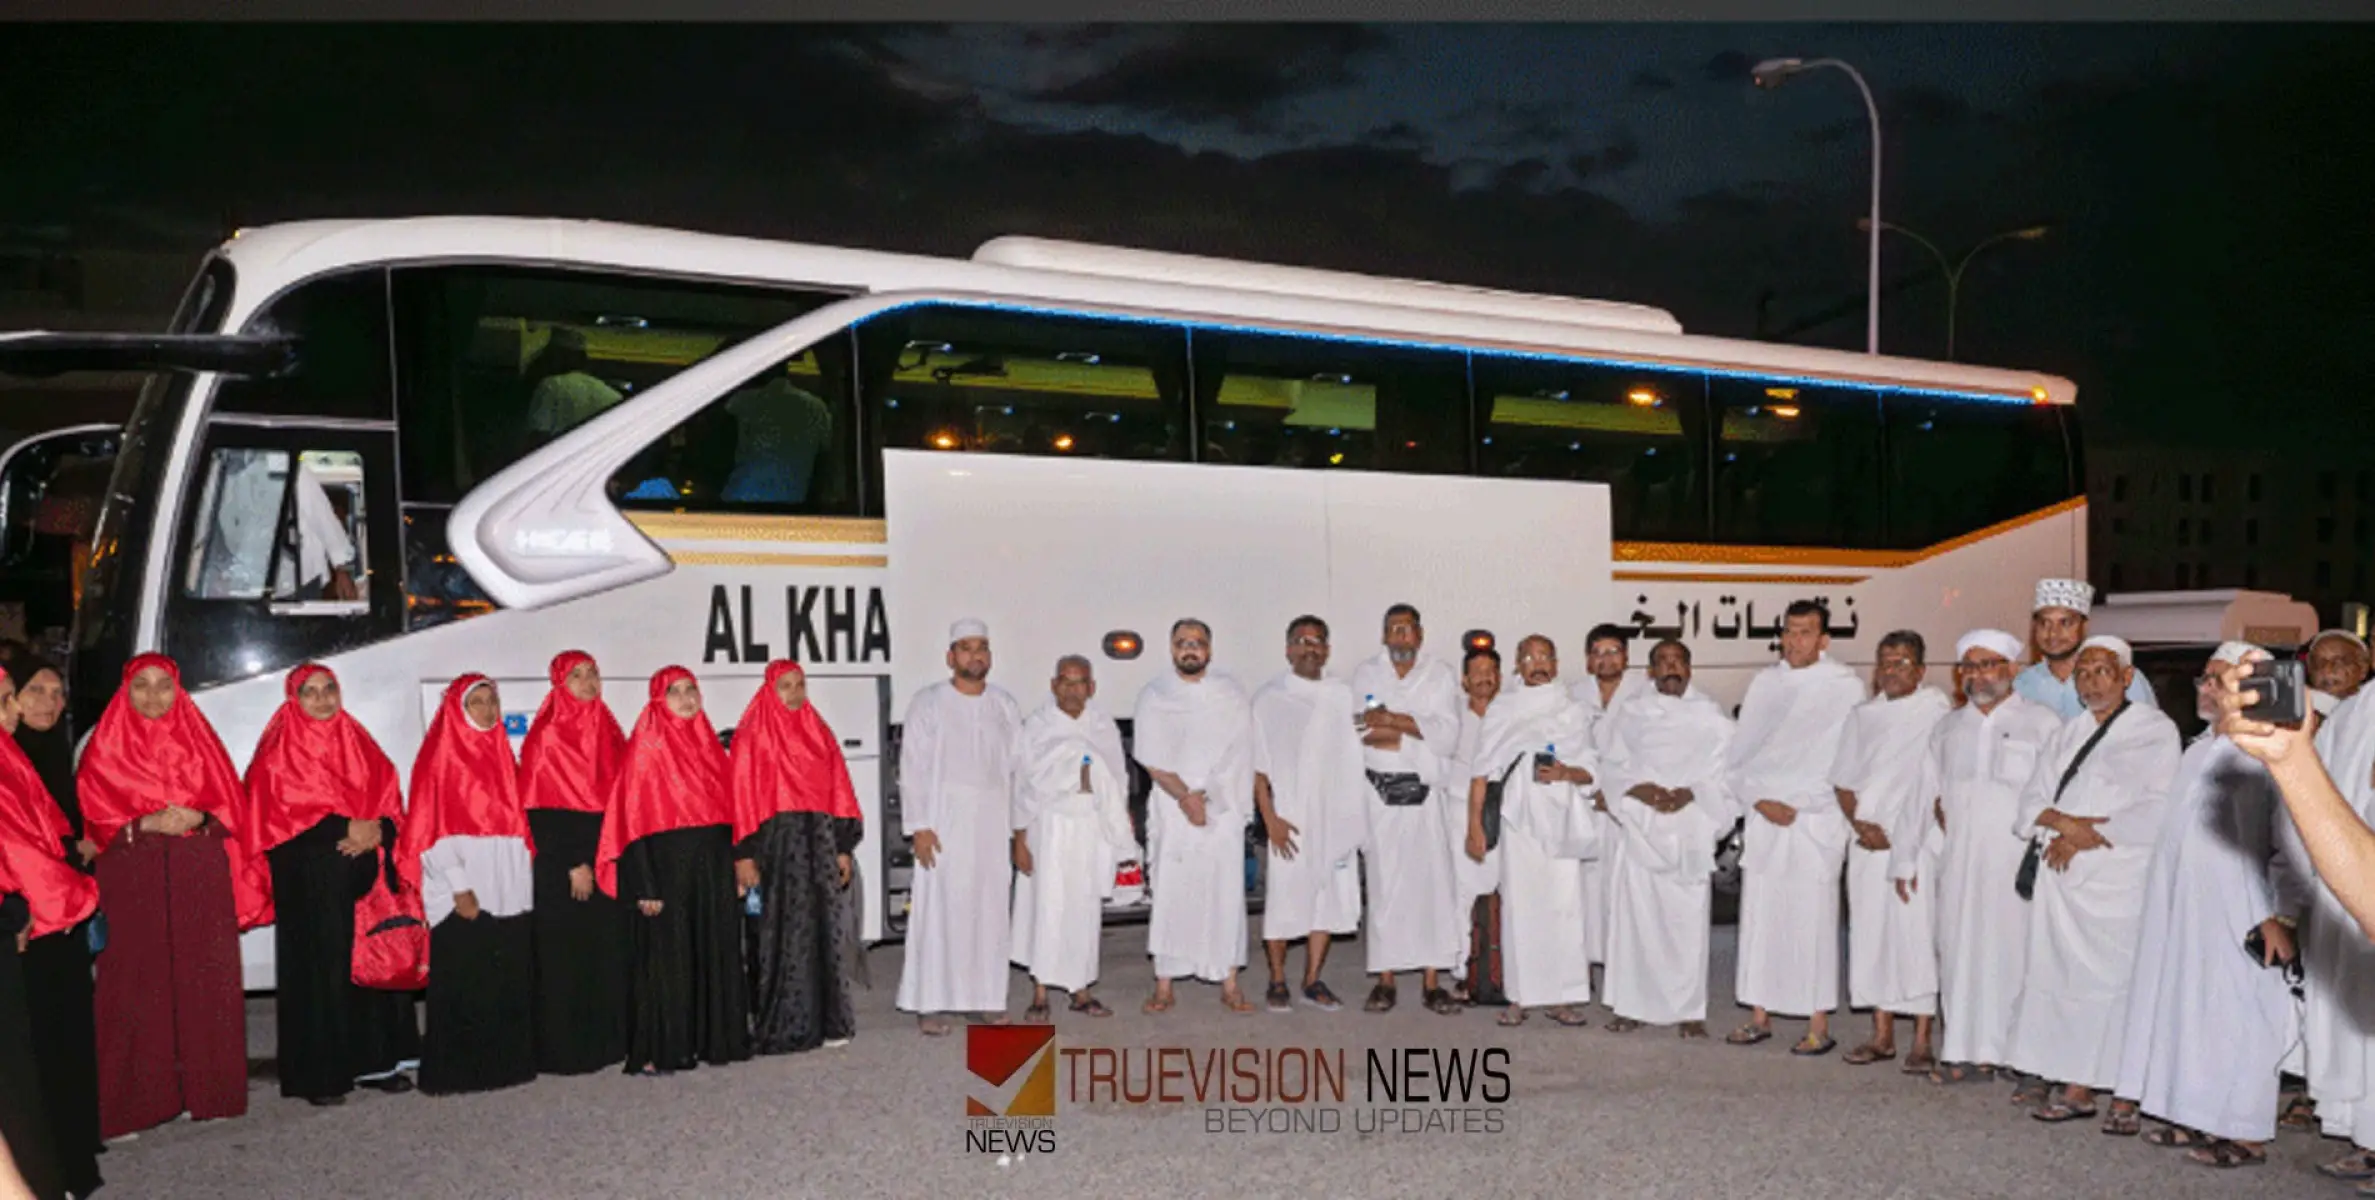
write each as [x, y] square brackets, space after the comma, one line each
[2206, 280]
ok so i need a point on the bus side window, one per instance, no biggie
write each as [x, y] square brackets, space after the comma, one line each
[1274, 400]
[785, 441]
[1956, 466]
[1642, 432]
[1796, 464]
[297, 539]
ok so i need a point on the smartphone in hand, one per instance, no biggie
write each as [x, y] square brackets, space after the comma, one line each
[2283, 689]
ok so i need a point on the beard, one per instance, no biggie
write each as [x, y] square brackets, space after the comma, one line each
[971, 674]
[1988, 694]
[1672, 685]
[1400, 656]
[1190, 667]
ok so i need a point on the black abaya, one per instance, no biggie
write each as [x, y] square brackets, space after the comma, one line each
[800, 994]
[24, 1119]
[331, 1031]
[57, 973]
[581, 952]
[689, 1000]
[481, 1005]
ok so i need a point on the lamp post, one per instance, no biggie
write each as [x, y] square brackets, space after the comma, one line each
[1770, 74]
[1954, 271]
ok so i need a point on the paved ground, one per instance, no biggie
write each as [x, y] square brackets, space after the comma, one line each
[1641, 1114]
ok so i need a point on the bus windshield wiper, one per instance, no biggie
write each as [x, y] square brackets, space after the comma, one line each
[40, 354]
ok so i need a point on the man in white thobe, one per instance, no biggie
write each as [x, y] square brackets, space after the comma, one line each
[1605, 689]
[1536, 745]
[1796, 841]
[956, 753]
[2207, 1025]
[1479, 882]
[1663, 766]
[1980, 759]
[1071, 832]
[2338, 961]
[1892, 951]
[1408, 741]
[1195, 738]
[2337, 665]
[2057, 625]
[1311, 793]
[2095, 840]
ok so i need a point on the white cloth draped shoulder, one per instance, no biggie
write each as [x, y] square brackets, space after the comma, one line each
[1201, 732]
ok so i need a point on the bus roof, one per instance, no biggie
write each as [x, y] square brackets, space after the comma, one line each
[1028, 272]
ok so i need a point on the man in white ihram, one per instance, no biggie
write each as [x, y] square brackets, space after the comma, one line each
[2118, 758]
[2338, 1031]
[2056, 628]
[1195, 738]
[2208, 1025]
[1479, 883]
[1310, 790]
[1980, 759]
[1663, 774]
[1409, 739]
[955, 795]
[1071, 830]
[1607, 685]
[1536, 744]
[1892, 954]
[1796, 840]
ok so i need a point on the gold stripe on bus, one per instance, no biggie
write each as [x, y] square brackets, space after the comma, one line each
[703, 558]
[1810, 556]
[746, 527]
[1743, 577]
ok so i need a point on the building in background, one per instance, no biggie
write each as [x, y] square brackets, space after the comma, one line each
[2167, 518]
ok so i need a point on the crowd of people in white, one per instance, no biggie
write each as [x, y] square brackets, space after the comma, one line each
[2029, 863]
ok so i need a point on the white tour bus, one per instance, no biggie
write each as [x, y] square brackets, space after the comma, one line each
[667, 447]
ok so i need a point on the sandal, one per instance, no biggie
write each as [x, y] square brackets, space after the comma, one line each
[2356, 1165]
[2060, 1111]
[2178, 1137]
[1961, 1073]
[1037, 1014]
[1692, 1029]
[1381, 999]
[1623, 1025]
[1570, 1018]
[1867, 1054]
[1809, 1048]
[1749, 1035]
[1318, 995]
[2125, 1120]
[2032, 1093]
[2227, 1155]
[1440, 1002]
[2301, 1113]
[1278, 999]
[1158, 1004]
[1920, 1062]
[1512, 1017]
[1235, 1001]
[1090, 1006]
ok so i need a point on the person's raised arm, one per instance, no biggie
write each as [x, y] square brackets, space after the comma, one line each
[2340, 846]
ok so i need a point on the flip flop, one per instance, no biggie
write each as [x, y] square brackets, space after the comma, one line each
[2354, 1166]
[1091, 1007]
[1867, 1054]
[2227, 1155]
[1512, 1017]
[1952, 1073]
[1748, 1035]
[2177, 1137]
[1236, 1002]
[1809, 1048]
[1623, 1025]
[2123, 1122]
[1919, 1064]
[1691, 1029]
[1158, 1004]
[1570, 1018]
[2058, 1112]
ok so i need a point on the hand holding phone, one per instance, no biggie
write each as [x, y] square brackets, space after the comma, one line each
[2282, 688]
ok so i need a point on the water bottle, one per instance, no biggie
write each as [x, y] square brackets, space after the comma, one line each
[1369, 704]
[750, 902]
[1548, 758]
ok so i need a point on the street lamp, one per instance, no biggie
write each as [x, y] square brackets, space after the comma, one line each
[1770, 74]
[1954, 272]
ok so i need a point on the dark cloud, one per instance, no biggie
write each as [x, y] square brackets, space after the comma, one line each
[1620, 152]
[1648, 81]
[1234, 73]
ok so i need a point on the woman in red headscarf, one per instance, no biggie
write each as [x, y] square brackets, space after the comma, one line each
[667, 843]
[48, 1108]
[322, 807]
[796, 822]
[572, 755]
[466, 845]
[162, 803]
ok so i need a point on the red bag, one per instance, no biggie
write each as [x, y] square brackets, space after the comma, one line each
[391, 949]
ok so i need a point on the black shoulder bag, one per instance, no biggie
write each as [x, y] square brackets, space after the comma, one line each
[2025, 882]
[1492, 803]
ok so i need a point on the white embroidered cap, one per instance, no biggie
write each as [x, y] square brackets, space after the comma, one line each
[2231, 653]
[1989, 639]
[2344, 634]
[2118, 647]
[970, 627]
[2077, 595]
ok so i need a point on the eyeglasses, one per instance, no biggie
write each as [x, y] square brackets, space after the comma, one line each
[1192, 644]
[1307, 641]
[1982, 668]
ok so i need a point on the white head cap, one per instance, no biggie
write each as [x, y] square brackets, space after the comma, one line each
[2119, 648]
[970, 627]
[1989, 639]
[2074, 594]
[2344, 634]
[2231, 653]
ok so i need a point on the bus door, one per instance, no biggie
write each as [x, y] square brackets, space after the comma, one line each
[288, 549]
